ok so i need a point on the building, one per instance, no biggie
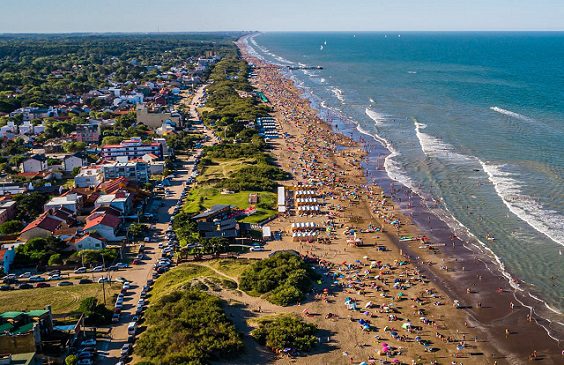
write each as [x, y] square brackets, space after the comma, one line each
[7, 210]
[88, 177]
[7, 256]
[134, 171]
[154, 119]
[215, 222]
[88, 241]
[120, 200]
[72, 202]
[104, 224]
[73, 161]
[46, 224]
[132, 148]
[22, 332]
[88, 133]
[35, 163]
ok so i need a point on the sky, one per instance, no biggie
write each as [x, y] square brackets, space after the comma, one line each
[63, 16]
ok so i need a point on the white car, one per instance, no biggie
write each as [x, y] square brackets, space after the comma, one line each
[25, 275]
[98, 269]
[257, 249]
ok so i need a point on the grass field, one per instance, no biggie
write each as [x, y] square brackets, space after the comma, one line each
[177, 278]
[211, 196]
[221, 169]
[230, 267]
[62, 299]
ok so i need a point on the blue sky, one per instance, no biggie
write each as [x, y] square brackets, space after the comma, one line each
[36, 16]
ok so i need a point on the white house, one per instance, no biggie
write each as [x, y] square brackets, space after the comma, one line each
[121, 201]
[89, 241]
[35, 163]
[88, 177]
[72, 161]
[72, 202]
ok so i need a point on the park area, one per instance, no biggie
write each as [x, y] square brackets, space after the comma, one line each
[62, 300]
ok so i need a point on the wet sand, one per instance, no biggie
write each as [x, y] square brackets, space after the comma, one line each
[470, 278]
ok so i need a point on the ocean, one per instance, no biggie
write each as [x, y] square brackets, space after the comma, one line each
[472, 122]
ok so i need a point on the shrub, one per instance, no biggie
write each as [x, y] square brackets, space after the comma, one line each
[286, 331]
[285, 277]
[187, 327]
[9, 227]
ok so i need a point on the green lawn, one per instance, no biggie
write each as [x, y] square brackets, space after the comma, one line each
[177, 278]
[222, 168]
[230, 267]
[64, 299]
[212, 196]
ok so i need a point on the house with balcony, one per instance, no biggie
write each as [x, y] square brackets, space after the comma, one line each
[132, 149]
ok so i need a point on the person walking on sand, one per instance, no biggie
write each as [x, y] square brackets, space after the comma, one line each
[507, 333]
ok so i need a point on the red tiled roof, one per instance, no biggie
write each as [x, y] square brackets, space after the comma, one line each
[44, 221]
[104, 219]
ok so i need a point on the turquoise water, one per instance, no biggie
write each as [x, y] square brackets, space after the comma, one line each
[473, 121]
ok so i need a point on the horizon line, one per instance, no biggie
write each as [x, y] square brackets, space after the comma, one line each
[294, 31]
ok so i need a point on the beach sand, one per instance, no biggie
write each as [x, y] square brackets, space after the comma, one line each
[314, 153]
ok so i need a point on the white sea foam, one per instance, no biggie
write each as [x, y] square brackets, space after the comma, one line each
[509, 189]
[511, 114]
[391, 165]
[378, 118]
[435, 147]
[371, 100]
[338, 93]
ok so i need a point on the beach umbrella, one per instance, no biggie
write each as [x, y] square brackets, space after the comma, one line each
[363, 363]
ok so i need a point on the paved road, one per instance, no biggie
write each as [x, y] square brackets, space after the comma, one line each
[110, 350]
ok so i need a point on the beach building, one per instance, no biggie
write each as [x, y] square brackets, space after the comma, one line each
[43, 226]
[131, 148]
[88, 241]
[134, 171]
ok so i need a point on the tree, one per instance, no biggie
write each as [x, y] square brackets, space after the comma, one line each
[285, 331]
[9, 227]
[94, 313]
[137, 230]
[30, 205]
[55, 259]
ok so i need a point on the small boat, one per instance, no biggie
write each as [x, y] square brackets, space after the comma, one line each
[489, 237]
[321, 48]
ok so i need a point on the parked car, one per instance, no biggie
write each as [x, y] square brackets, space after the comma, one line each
[88, 342]
[65, 283]
[5, 288]
[136, 262]
[54, 272]
[121, 279]
[80, 270]
[98, 269]
[42, 285]
[115, 318]
[125, 350]
[113, 268]
[36, 279]
[25, 286]
[85, 281]
[126, 285]
[257, 249]
[103, 279]
[25, 275]
[122, 265]
[55, 277]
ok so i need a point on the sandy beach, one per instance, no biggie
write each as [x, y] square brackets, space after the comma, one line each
[385, 298]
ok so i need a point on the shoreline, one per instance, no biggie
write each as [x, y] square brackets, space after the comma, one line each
[493, 320]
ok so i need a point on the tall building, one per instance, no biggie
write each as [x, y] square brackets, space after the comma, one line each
[131, 148]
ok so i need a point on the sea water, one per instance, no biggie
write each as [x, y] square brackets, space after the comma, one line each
[473, 121]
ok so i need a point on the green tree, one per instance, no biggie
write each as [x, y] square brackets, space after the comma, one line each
[9, 227]
[30, 205]
[55, 259]
[285, 331]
